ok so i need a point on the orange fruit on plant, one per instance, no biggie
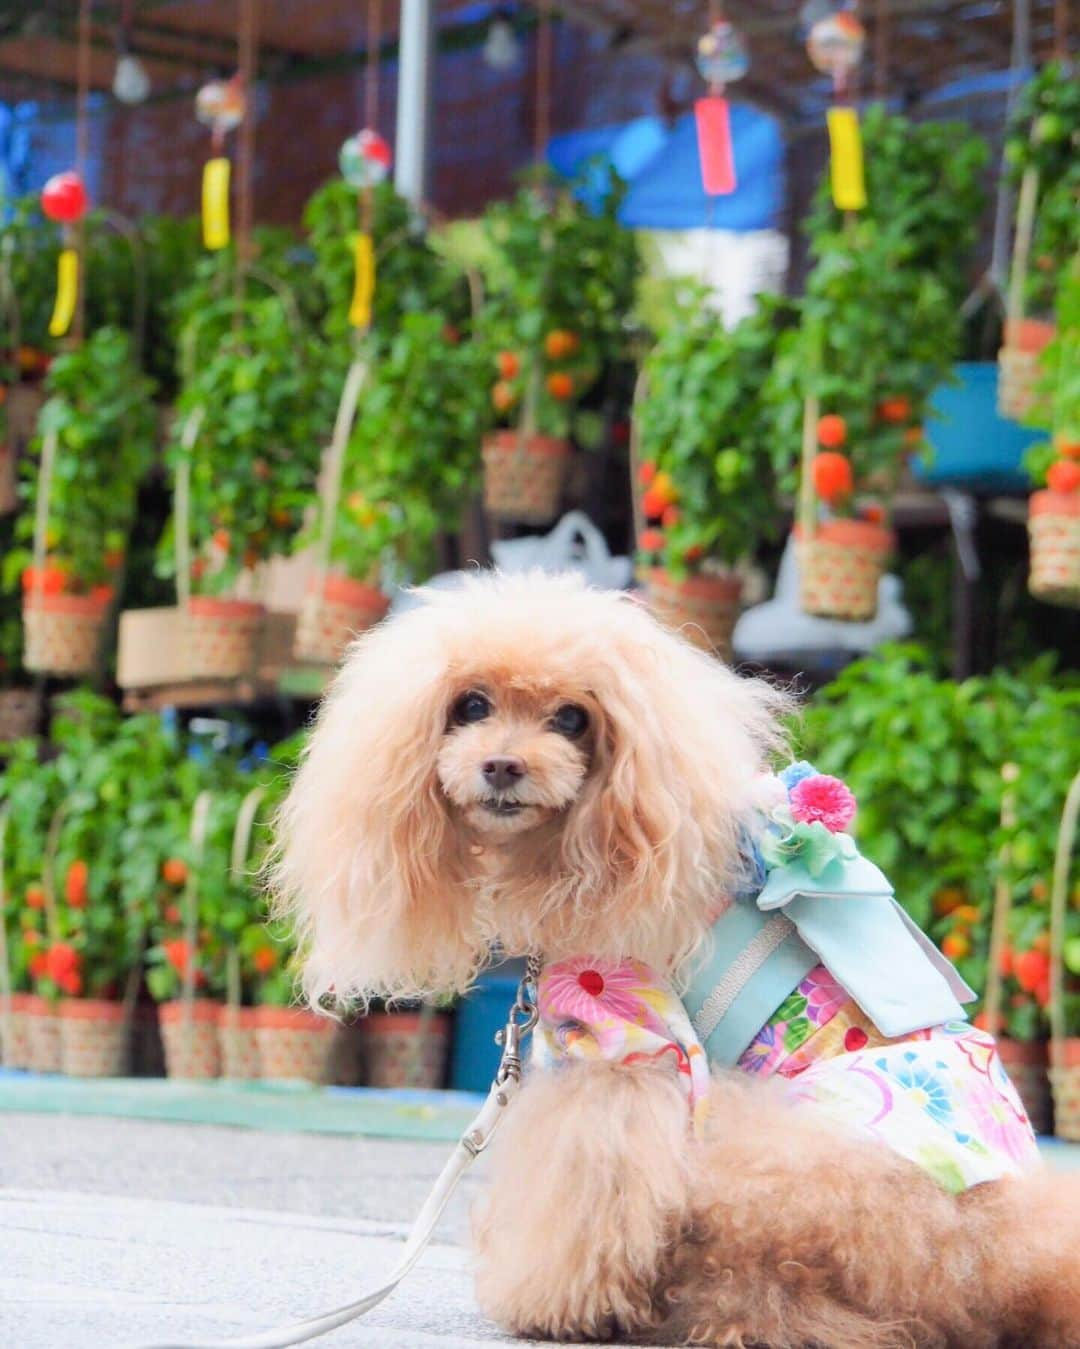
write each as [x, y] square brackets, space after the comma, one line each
[956, 946]
[654, 504]
[171, 913]
[503, 396]
[832, 431]
[650, 540]
[1042, 943]
[1030, 968]
[264, 959]
[1039, 891]
[174, 871]
[894, 410]
[560, 384]
[671, 516]
[35, 897]
[508, 365]
[694, 553]
[220, 539]
[664, 486]
[914, 437]
[31, 936]
[1042, 992]
[76, 884]
[1063, 476]
[1067, 445]
[966, 914]
[560, 343]
[832, 476]
[1005, 962]
[646, 472]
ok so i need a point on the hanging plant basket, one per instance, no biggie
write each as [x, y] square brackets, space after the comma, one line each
[1018, 365]
[840, 567]
[523, 476]
[20, 711]
[331, 615]
[704, 608]
[1026, 1064]
[62, 634]
[222, 636]
[189, 1033]
[15, 1029]
[295, 1045]
[405, 1049]
[42, 1034]
[239, 1041]
[94, 1037]
[1054, 532]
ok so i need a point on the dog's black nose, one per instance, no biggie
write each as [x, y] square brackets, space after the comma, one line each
[503, 772]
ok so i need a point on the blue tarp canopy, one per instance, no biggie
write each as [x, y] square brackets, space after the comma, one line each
[661, 166]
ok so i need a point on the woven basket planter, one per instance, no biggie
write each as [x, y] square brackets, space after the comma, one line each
[1065, 1081]
[222, 636]
[62, 634]
[1054, 533]
[402, 1049]
[20, 710]
[1018, 365]
[523, 476]
[704, 608]
[94, 1038]
[1026, 1063]
[42, 1034]
[332, 615]
[191, 1043]
[295, 1045]
[840, 568]
[16, 1044]
[9, 498]
[239, 1042]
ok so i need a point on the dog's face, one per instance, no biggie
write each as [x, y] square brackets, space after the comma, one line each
[513, 759]
[524, 763]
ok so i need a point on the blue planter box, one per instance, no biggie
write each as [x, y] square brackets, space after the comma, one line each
[973, 446]
[475, 1055]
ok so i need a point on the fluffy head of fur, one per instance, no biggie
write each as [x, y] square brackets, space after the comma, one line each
[402, 862]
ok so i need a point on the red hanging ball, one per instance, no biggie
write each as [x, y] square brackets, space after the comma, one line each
[63, 198]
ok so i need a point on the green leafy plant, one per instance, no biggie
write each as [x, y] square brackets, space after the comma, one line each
[28, 248]
[100, 412]
[250, 373]
[1044, 134]
[707, 453]
[560, 284]
[1056, 461]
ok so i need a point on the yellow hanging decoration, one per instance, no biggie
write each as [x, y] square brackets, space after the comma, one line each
[364, 283]
[215, 202]
[846, 160]
[67, 292]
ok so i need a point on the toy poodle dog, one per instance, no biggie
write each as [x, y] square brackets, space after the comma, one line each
[756, 1115]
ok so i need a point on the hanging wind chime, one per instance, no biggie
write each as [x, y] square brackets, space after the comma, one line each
[722, 58]
[835, 42]
[220, 105]
[64, 200]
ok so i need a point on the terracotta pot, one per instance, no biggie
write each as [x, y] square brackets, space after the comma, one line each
[704, 608]
[222, 636]
[400, 1051]
[523, 476]
[15, 1032]
[20, 711]
[1054, 534]
[840, 569]
[191, 1042]
[295, 1044]
[62, 634]
[42, 1034]
[94, 1038]
[1026, 1064]
[239, 1041]
[1018, 365]
[332, 615]
[1065, 1082]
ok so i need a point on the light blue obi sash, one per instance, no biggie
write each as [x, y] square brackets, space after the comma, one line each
[843, 916]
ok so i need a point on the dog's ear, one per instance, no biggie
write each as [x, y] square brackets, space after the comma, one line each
[654, 842]
[366, 860]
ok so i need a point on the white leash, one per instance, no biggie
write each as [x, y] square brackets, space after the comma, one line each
[468, 1147]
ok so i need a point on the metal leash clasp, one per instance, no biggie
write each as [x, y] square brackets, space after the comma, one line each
[523, 1017]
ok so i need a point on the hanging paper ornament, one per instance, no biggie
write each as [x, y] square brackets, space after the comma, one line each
[215, 202]
[714, 145]
[846, 159]
[221, 105]
[363, 282]
[722, 55]
[67, 292]
[63, 198]
[835, 45]
[365, 159]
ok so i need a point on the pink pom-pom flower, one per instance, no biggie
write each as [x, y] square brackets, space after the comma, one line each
[825, 800]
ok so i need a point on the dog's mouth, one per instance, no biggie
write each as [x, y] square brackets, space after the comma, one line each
[499, 805]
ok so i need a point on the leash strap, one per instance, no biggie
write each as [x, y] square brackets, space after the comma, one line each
[469, 1146]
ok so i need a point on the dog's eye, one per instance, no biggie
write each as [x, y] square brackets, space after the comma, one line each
[470, 707]
[570, 720]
